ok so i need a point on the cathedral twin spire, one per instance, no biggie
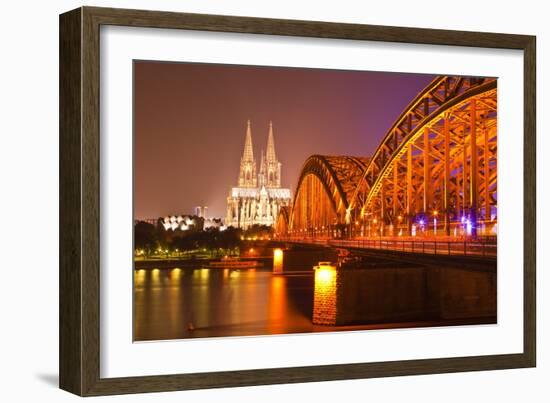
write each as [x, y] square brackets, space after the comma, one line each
[270, 154]
[270, 167]
[259, 197]
[248, 154]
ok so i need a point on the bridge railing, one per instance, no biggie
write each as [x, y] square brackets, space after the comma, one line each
[480, 247]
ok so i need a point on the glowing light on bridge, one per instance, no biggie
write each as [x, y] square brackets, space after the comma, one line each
[277, 260]
[438, 160]
[325, 294]
[469, 227]
[325, 275]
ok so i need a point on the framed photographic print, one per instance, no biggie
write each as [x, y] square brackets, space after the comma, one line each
[249, 201]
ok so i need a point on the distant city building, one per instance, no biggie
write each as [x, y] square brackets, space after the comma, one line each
[189, 222]
[259, 196]
[180, 222]
[200, 211]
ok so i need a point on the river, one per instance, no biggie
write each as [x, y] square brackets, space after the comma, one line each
[178, 303]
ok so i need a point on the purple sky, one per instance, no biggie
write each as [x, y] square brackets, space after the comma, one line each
[190, 122]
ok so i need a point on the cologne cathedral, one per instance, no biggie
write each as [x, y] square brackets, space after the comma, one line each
[259, 196]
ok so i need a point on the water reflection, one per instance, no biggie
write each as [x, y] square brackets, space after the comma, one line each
[277, 304]
[179, 302]
[182, 303]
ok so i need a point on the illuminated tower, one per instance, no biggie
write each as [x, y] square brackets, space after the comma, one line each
[258, 198]
[247, 173]
[263, 173]
[272, 166]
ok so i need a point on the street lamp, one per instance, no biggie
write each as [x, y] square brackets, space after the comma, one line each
[421, 224]
[435, 222]
[377, 229]
[399, 219]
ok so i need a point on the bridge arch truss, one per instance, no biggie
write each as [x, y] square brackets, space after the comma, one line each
[435, 170]
[324, 188]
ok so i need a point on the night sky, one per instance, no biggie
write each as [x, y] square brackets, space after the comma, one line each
[190, 124]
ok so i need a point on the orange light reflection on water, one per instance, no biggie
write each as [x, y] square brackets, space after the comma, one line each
[155, 275]
[277, 304]
[139, 277]
[175, 274]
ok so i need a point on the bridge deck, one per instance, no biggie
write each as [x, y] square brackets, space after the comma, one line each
[481, 248]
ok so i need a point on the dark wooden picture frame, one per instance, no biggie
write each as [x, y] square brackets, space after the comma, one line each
[79, 346]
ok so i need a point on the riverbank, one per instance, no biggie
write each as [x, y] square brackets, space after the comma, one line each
[171, 263]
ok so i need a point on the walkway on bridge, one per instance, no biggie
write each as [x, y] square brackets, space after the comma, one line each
[481, 247]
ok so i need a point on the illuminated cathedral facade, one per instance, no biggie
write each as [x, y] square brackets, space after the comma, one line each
[259, 196]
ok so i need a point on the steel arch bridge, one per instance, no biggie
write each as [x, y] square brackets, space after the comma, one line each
[435, 172]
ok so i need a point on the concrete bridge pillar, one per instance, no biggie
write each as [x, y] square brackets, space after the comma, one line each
[325, 295]
[278, 261]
